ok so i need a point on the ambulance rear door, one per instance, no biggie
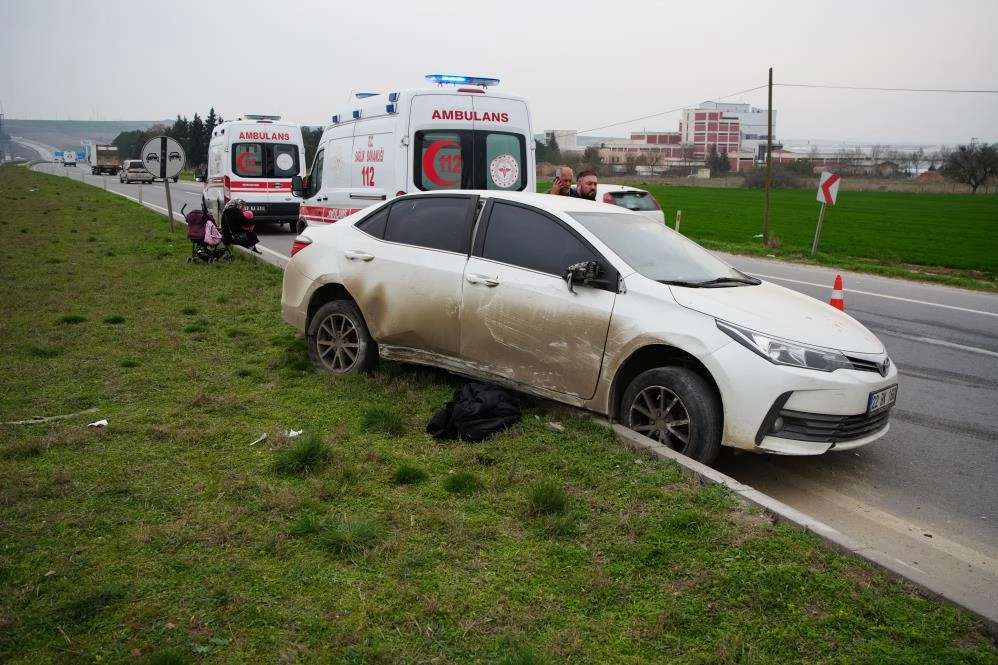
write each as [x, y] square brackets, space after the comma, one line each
[469, 141]
[264, 159]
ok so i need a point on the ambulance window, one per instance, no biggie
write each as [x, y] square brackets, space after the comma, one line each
[440, 160]
[505, 168]
[467, 159]
[315, 175]
[247, 160]
[265, 160]
[285, 160]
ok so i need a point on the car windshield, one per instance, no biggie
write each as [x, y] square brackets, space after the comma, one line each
[633, 200]
[659, 253]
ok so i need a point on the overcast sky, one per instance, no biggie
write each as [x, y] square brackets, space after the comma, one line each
[602, 68]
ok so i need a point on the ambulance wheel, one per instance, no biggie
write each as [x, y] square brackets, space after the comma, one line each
[338, 340]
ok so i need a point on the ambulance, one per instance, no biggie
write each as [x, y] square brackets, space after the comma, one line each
[457, 135]
[254, 158]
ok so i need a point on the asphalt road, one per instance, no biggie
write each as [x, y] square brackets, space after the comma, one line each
[925, 494]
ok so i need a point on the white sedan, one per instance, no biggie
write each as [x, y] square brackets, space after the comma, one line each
[632, 198]
[591, 305]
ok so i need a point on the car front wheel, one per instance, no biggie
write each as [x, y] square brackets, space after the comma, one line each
[677, 408]
[338, 340]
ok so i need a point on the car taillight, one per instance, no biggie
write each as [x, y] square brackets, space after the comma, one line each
[299, 244]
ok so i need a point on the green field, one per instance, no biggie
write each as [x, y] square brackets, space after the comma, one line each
[889, 232]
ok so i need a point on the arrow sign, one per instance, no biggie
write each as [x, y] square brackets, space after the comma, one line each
[828, 188]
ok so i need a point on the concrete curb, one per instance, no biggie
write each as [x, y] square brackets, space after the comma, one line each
[784, 514]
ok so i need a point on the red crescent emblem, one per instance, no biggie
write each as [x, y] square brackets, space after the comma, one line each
[245, 162]
[430, 159]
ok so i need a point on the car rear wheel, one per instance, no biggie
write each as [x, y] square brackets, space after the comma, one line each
[677, 408]
[338, 340]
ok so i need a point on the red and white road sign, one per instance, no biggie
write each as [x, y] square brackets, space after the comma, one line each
[828, 188]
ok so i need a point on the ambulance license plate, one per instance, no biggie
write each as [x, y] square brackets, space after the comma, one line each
[881, 399]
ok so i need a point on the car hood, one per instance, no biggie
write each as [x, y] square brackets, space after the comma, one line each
[774, 310]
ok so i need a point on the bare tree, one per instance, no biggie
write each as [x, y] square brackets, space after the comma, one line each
[915, 160]
[972, 164]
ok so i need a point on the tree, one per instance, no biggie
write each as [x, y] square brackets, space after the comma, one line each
[971, 164]
[310, 137]
[591, 156]
[553, 152]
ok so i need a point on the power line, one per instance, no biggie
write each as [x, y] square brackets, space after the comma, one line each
[678, 108]
[856, 87]
[787, 85]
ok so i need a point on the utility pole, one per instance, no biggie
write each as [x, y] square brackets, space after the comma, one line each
[769, 163]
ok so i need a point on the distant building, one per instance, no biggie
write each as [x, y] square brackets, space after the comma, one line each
[568, 139]
[739, 130]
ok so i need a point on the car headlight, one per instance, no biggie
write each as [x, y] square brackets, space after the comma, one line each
[784, 351]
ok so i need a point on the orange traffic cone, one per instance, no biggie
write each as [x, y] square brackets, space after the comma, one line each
[837, 302]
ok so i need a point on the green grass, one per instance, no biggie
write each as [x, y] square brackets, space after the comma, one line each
[951, 238]
[176, 534]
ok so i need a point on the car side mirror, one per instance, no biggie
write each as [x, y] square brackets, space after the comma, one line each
[297, 186]
[585, 272]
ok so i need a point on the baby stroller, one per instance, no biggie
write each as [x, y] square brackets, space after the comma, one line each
[206, 239]
[237, 226]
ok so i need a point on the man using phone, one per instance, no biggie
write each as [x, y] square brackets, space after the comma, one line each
[562, 185]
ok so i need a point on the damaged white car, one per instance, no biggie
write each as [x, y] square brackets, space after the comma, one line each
[591, 305]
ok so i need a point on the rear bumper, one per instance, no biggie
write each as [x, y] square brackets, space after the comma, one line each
[273, 212]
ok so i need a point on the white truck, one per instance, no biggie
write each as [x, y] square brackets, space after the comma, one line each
[69, 158]
[103, 159]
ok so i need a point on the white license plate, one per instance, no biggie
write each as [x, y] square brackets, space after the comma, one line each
[881, 399]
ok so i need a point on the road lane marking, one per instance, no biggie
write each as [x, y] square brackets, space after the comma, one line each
[879, 295]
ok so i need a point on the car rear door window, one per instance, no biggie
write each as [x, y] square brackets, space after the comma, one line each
[437, 222]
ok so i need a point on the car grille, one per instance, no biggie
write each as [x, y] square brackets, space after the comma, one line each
[830, 429]
[879, 363]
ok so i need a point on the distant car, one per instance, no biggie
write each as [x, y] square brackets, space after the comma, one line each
[631, 198]
[591, 305]
[133, 170]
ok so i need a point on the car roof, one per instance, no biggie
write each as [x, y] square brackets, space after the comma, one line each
[544, 201]
[607, 188]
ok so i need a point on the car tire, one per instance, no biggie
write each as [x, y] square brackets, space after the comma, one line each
[338, 340]
[677, 408]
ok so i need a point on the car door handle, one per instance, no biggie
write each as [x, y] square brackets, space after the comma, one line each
[483, 279]
[354, 255]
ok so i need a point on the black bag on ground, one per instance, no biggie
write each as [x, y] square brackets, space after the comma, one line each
[477, 410]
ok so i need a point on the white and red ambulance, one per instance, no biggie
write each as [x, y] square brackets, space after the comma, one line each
[460, 134]
[254, 158]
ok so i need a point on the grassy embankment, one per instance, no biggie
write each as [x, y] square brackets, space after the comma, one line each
[175, 535]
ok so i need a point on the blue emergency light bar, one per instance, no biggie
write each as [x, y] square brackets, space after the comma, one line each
[455, 79]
